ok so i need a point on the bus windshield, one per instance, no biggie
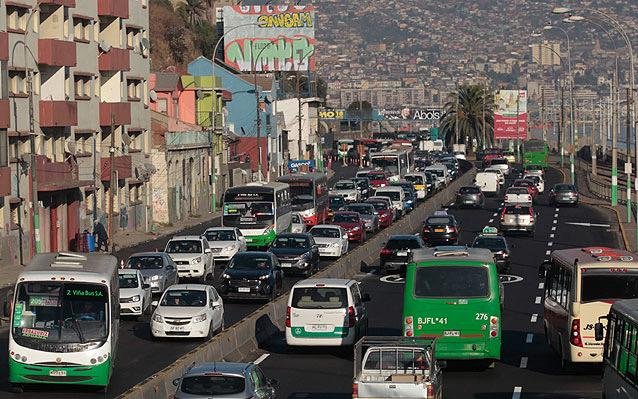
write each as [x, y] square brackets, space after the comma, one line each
[248, 214]
[534, 146]
[597, 287]
[451, 282]
[49, 316]
[386, 163]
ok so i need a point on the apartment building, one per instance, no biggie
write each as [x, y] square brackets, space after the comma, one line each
[77, 90]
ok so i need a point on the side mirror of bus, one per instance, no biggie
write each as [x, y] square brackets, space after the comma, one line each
[599, 332]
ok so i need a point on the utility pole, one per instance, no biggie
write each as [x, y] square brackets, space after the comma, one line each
[483, 116]
[112, 182]
[17, 151]
[614, 145]
[299, 116]
[94, 179]
[518, 137]
[594, 154]
[561, 137]
[257, 108]
[628, 161]
[456, 123]
[35, 212]
[543, 113]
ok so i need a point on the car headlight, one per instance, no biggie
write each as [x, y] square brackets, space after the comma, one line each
[231, 247]
[155, 278]
[264, 277]
[226, 276]
[196, 260]
[200, 318]
[136, 298]
[157, 318]
[335, 245]
[356, 228]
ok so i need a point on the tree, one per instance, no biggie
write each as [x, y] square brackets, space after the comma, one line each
[193, 11]
[470, 100]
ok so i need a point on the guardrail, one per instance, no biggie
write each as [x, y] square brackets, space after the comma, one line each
[249, 334]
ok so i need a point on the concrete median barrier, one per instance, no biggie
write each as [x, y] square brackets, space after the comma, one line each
[249, 334]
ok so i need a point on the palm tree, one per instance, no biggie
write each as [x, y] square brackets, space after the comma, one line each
[193, 11]
[470, 102]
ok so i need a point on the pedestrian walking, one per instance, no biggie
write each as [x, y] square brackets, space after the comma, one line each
[101, 237]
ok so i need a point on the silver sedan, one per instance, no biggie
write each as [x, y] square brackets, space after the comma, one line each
[157, 268]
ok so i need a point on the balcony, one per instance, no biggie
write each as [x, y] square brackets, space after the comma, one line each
[121, 113]
[5, 181]
[56, 52]
[58, 113]
[123, 165]
[54, 176]
[4, 114]
[112, 8]
[65, 3]
[4, 46]
[116, 59]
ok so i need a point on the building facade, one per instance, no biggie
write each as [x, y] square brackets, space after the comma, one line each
[79, 88]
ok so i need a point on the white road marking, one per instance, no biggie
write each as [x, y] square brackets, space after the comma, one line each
[524, 362]
[555, 221]
[550, 236]
[556, 215]
[538, 300]
[588, 224]
[549, 244]
[534, 318]
[261, 358]
[495, 214]
[445, 209]
[554, 228]
[557, 209]
[517, 393]
[529, 338]
[452, 204]
[548, 252]
[490, 221]
[541, 286]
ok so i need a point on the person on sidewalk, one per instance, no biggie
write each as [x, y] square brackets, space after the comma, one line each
[101, 237]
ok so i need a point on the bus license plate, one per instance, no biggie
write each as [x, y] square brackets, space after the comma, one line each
[57, 373]
[243, 289]
[451, 333]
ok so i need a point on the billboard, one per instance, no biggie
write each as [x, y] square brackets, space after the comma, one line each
[272, 38]
[329, 113]
[407, 113]
[507, 102]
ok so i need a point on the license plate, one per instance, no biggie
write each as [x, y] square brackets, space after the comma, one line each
[286, 265]
[57, 373]
[243, 289]
[402, 253]
[319, 327]
[451, 333]
[439, 230]
[469, 201]
[176, 328]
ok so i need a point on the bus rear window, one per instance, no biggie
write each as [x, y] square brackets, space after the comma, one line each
[597, 287]
[451, 282]
[319, 298]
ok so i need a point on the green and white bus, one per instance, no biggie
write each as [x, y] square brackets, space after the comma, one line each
[535, 152]
[453, 294]
[260, 210]
[65, 321]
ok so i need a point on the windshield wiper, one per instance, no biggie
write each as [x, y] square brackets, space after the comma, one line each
[78, 329]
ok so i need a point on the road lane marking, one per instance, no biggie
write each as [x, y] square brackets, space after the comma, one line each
[557, 209]
[261, 358]
[554, 228]
[452, 204]
[556, 215]
[517, 393]
[529, 338]
[588, 224]
[538, 300]
[551, 235]
[549, 244]
[555, 221]
[495, 214]
[534, 318]
[490, 221]
[548, 252]
[524, 362]
[541, 286]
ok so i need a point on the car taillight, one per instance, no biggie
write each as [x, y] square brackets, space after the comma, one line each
[288, 316]
[494, 325]
[430, 390]
[426, 229]
[352, 317]
[355, 390]
[574, 336]
[451, 229]
[529, 197]
[408, 327]
[386, 251]
[531, 215]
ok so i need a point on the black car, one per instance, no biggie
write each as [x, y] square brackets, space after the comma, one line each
[497, 244]
[335, 203]
[432, 183]
[470, 196]
[563, 194]
[440, 229]
[395, 253]
[252, 274]
[363, 186]
[297, 253]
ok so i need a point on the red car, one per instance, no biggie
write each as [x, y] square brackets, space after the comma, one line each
[377, 178]
[529, 184]
[487, 158]
[386, 215]
[352, 223]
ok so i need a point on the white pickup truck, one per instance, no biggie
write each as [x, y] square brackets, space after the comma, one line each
[518, 196]
[396, 367]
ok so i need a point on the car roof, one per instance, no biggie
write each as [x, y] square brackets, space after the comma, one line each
[344, 181]
[347, 213]
[359, 203]
[390, 188]
[254, 253]
[218, 367]
[220, 228]
[154, 253]
[330, 282]
[298, 235]
[403, 237]
[176, 238]
[188, 287]
[326, 226]
[127, 271]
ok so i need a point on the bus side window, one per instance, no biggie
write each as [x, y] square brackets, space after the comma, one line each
[568, 287]
[622, 345]
[632, 355]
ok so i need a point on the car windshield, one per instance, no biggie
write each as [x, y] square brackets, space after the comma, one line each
[186, 298]
[378, 205]
[145, 262]
[220, 235]
[325, 232]
[451, 282]
[597, 287]
[128, 280]
[469, 190]
[361, 209]
[291, 242]
[249, 262]
[361, 183]
[564, 187]
[535, 179]
[499, 161]
[494, 244]
[345, 186]
[184, 247]
[376, 176]
[393, 195]
[209, 385]
[517, 190]
[438, 220]
[337, 202]
[319, 298]
[345, 218]
[403, 243]
[517, 210]
[438, 172]
[415, 179]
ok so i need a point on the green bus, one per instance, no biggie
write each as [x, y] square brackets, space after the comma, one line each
[535, 152]
[453, 294]
[260, 210]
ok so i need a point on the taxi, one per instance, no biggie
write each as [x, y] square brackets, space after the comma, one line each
[490, 239]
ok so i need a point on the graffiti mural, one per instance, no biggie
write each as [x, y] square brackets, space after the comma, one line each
[270, 38]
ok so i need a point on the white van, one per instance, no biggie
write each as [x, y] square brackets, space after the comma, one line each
[441, 173]
[488, 182]
[396, 195]
[326, 312]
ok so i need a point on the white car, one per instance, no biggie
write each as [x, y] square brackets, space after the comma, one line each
[224, 242]
[192, 255]
[346, 189]
[188, 311]
[538, 181]
[135, 294]
[499, 172]
[297, 225]
[332, 240]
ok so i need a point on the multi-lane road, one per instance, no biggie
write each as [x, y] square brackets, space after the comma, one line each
[528, 368]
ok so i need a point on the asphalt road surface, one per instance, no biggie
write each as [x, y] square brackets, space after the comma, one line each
[528, 365]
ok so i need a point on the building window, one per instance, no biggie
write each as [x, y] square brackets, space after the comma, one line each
[82, 28]
[17, 19]
[161, 105]
[133, 37]
[135, 88]
[17, 83]
[82, 87]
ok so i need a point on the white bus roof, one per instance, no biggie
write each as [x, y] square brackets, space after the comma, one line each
[591, 257]
[80, 267]
[453, 253]
[389, 153]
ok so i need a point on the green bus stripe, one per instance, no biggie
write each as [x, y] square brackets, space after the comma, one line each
[24, 373]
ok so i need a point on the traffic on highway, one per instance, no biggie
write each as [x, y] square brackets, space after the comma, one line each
[492, 294]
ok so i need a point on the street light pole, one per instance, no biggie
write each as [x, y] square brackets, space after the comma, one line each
[258, 110]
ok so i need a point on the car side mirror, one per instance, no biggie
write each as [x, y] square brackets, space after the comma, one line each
[599, 331]
[441, 364]
[366, 297]
[543, 269]
[169, 267]
[146, 286]
[154, 304]
[207, 250]
[6, 308]
[176, 381]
